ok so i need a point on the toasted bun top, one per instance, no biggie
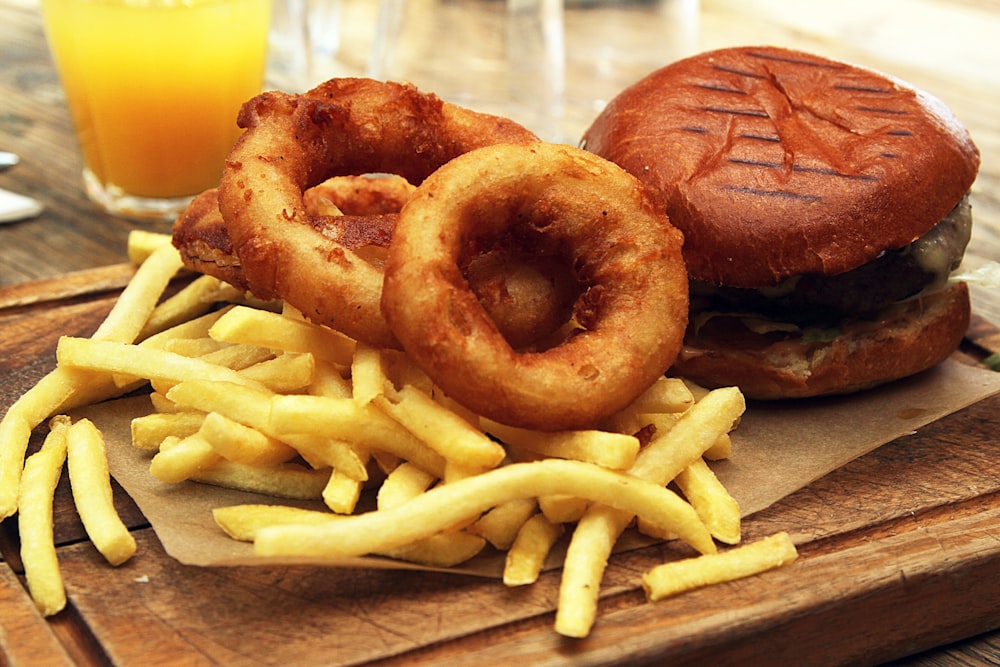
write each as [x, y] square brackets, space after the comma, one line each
[775, 162]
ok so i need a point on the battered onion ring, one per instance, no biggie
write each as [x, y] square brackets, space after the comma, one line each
[342, 127]
[529, 297]
[564, 201]
[369, 194]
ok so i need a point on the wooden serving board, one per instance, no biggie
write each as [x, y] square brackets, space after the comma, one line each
[900, 551]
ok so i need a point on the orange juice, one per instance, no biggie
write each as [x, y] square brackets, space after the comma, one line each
[154, 86]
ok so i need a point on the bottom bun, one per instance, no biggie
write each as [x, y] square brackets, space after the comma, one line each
[912, 336]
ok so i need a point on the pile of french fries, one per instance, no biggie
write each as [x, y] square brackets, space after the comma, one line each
[253, 396]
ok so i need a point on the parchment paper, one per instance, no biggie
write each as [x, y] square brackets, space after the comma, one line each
[778, 448]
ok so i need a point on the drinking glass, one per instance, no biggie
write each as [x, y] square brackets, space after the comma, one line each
[154, 88]
[503, 57]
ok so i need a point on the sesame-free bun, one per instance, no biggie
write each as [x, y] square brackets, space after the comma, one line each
[774, 162]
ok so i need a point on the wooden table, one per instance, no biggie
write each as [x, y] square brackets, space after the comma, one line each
[862, 592]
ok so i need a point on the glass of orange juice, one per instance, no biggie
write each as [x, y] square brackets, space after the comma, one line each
[154, 88]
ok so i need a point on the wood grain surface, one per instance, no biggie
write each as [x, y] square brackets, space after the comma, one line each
[900, 549]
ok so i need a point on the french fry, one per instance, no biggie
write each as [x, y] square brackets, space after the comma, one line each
[344, 419]
[88, 473]
[328, 382]
[341, 493]
[563, 509]
[243, 444]
[38, 550]
[239, 357]
[444, 431]
[135, 304]
[448, 504]
[243, 522]
[441, 550]
[197, 327]
[243, 324]
[500, 525]
[135, 360]
[404, 483]
[252, 407]
[286, 373]
[527, 555]
[148, 431]
[743, 561]
[65, 388]
[195, 299]
[247, 405]
[700, 427]
[142, 243]
[586, 559]
[611, 450]
[367, 377]
[285, 480]
[666, 395]
[60, 390]
[183, 459]
[721, 449]
[660, 461]
[717, 508]
[192, 347]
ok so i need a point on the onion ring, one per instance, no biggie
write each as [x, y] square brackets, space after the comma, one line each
[341, 127]
[562, 200]
[529, 297]
[367, 194]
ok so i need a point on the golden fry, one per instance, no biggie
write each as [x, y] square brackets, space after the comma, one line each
[286, 480]
[244, 522]
[142, 243]
[500, 525]
[611, 450]
[717, 508]
[252, 407]
[367, 377]
[137, 301]
[444, 431]
[183, 459]
[445, 505]
[743, 561]
[38, 550]
[404, 483]
[148, 431]
[586, 559]
[721, 449]
[197, 327]
[563, 509]
[341, 493]
[670, 451]
[59, 390]
[88, 473]
[243, 444]
[441, 550]
[527, 555]
[286, 373]
[194, 300]
[344, 419]
[145, 362]
[243, 324]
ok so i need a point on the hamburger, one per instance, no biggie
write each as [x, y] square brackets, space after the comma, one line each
[823, 207]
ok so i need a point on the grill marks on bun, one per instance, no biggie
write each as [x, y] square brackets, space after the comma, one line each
[746, 106]
[740, 141]
[799, 184]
